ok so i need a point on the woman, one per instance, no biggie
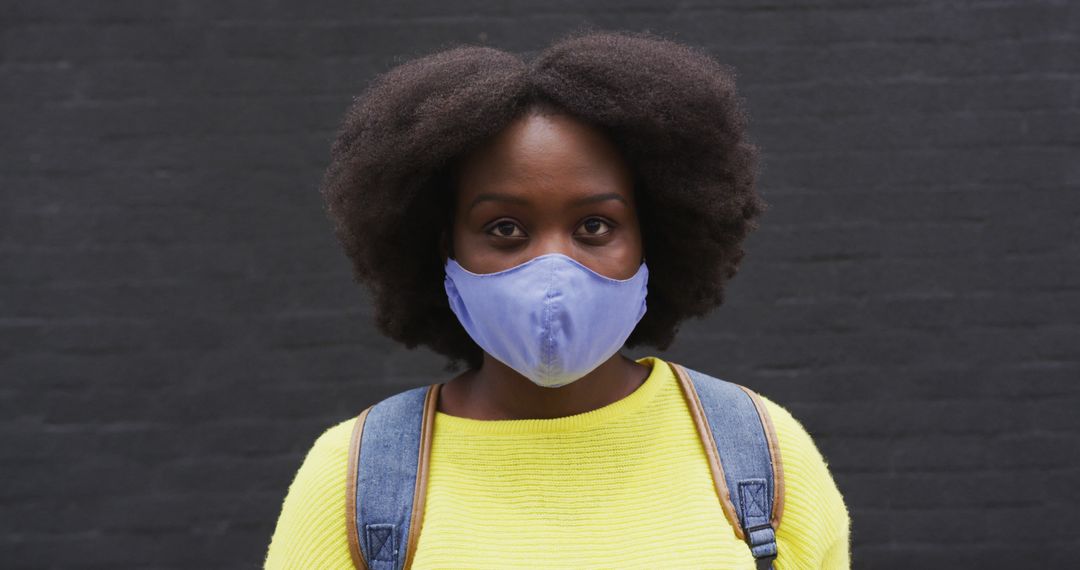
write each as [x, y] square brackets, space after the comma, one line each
[529, 219]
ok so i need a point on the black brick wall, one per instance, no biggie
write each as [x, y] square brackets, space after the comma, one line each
[177, 323]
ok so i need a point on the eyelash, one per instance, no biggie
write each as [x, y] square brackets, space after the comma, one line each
[497, 223]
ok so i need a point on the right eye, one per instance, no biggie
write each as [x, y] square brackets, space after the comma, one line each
[505, 228]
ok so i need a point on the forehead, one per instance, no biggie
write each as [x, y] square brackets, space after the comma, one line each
[548, 153]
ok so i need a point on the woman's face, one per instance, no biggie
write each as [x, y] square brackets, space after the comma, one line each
[546, 184]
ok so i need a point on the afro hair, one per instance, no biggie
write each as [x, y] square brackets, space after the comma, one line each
[670, 109]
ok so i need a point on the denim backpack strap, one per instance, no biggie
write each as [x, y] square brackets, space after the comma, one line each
[741, 444]
[387, 478]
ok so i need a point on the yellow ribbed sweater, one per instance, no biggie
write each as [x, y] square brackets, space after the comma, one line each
[626, 485]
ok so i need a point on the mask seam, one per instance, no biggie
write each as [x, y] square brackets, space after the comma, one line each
[549, 337]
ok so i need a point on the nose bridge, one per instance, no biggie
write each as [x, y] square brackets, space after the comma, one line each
[553, 242]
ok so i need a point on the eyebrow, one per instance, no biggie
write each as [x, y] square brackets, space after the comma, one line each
[486, 197]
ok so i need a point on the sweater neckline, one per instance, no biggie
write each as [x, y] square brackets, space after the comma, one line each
[628, 404]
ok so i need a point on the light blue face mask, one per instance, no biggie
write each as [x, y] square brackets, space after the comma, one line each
[551, 318]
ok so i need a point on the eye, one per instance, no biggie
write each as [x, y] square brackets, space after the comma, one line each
[505, 228]
[593, 227]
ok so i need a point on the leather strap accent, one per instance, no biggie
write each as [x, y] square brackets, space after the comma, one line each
[417, 519]
[705, 434]
[774, 449]
[350, 491]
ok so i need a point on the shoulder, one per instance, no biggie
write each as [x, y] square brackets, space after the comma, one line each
[334, 439]
[311, 529]
[327, 455]
[814, 525]
[796, 443]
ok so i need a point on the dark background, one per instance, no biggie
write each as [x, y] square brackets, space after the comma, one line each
[178, 324]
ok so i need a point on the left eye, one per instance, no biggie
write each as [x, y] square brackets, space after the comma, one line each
[594, 225]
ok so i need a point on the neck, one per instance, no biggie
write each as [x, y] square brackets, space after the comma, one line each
[497, 392]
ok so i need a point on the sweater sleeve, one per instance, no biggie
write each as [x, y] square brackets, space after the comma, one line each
[311, 531]
[814, 528]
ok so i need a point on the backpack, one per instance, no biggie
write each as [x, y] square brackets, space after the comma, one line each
[391, 442]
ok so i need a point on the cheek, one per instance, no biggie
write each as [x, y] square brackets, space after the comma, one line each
[472, 251]
[630, 235]
[461, 239]
[621, 261]
[470, 245]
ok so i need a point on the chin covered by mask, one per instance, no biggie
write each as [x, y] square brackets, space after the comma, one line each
[551, 319]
